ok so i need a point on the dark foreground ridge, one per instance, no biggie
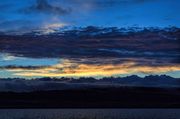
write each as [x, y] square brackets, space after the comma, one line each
[126, 92]
[121, 97]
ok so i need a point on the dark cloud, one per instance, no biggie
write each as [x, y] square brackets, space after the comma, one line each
[90, 45]
[43, 6]
[22, 67]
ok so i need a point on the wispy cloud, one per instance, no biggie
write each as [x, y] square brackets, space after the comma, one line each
[7, 57]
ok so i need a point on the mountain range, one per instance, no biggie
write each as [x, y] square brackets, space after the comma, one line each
[45, 84]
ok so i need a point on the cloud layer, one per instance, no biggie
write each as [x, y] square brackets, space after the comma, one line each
[109, 46]
[95, 52]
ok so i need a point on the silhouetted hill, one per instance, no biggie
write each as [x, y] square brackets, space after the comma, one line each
[107, 97]
[127, 92]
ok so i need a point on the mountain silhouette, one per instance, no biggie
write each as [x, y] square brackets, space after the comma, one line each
[47, 83]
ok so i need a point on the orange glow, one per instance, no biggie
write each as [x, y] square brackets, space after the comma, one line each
[71, 69]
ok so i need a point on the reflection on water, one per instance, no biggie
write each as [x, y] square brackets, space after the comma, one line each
[90, 114]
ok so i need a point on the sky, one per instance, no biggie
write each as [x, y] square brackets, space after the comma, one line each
[92, 43]
[28, 15]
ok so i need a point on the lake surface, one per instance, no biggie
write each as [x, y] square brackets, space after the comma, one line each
[89, 113]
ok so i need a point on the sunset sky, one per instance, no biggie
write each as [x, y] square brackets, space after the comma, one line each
[93, 42]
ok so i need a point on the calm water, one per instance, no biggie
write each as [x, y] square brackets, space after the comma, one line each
[89, 113]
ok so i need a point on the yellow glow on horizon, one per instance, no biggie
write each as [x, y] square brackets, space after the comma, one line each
[71, 69]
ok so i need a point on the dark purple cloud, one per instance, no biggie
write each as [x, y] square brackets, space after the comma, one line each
[94, 45]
